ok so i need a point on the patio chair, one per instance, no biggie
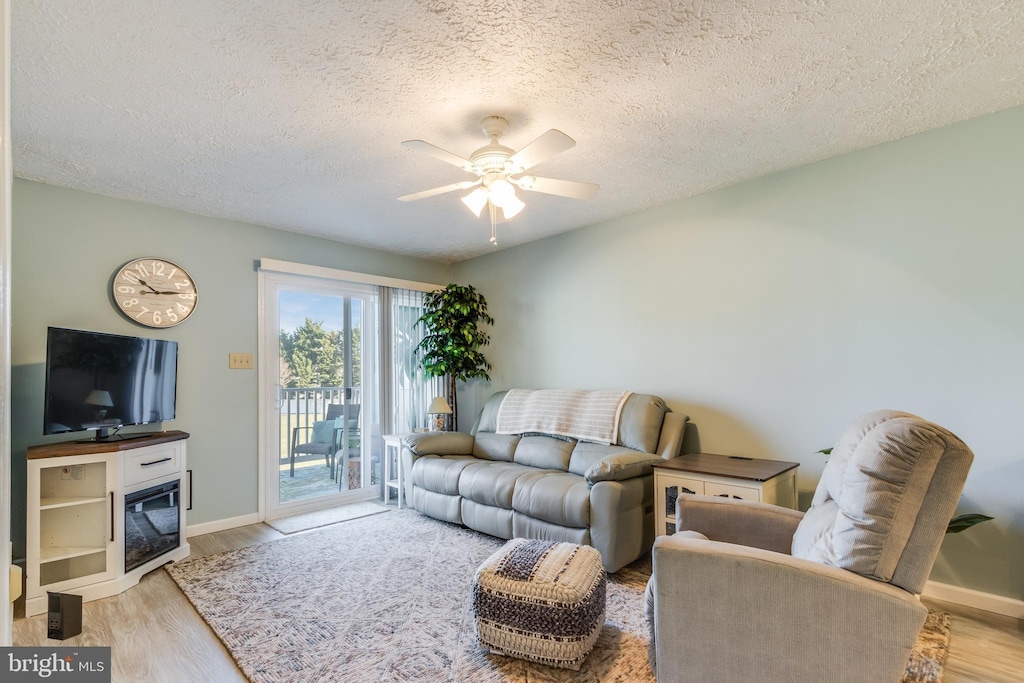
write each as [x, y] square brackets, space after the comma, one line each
[323, 438]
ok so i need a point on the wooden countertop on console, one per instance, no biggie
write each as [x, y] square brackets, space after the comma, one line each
[754, 469]
[62, 448]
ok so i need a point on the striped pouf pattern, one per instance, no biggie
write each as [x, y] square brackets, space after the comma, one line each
[540, 601]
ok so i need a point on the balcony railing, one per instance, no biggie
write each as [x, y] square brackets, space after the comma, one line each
[302, 406]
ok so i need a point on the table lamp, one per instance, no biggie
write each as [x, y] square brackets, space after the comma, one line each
[439, 408]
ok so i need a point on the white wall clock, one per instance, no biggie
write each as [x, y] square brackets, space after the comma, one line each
[154, 292]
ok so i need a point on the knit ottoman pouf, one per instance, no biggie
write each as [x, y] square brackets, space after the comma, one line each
[541, 601]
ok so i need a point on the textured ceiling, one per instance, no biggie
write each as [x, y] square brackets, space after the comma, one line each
[290, 114]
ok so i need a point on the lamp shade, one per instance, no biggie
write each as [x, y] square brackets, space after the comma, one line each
[99, 398]
[513, 205]
[439, 406]
[476, 200]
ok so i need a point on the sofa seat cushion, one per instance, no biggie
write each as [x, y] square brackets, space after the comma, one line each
[440, 474]
[492, 483]
[557, 497]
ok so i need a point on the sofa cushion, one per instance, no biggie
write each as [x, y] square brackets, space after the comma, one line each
[489, 446]
[492, 483]
[557, 497]
[487, 420]
[440, 474]
[640, 423]
[525, 526]
[544, 452]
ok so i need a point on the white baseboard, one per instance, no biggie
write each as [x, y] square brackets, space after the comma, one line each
[221, 524]
[968, 597]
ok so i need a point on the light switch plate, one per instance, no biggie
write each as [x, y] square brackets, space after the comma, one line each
[240, 361]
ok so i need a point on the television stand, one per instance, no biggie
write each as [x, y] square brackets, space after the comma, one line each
[114, 438]
[78, 534]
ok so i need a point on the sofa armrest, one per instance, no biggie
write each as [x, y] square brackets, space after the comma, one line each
[743, 522]
[439, 443]
[769, 616]
[621, 466]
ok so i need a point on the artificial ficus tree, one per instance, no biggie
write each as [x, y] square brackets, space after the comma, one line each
[453, 337]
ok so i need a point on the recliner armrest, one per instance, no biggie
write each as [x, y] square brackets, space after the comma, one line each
[439, 443]
[621, 466]
[773, 617]
[743, 522]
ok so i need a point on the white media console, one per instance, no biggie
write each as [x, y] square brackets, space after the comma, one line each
[82, 536]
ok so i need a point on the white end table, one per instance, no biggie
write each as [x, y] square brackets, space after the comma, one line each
[704, 474]
[393, 442]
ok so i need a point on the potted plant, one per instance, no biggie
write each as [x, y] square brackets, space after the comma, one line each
[958, 523]
[453, 337]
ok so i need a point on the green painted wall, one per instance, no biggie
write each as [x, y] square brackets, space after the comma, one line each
[67, 244]
[775, 311]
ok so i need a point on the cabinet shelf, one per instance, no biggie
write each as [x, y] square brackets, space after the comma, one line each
[68, 501]
[54, 553]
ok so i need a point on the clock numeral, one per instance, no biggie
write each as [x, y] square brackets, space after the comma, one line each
[170, 314]
[188, 297]
[171, 274]
[141, 267]
[141, 313]
[179, 285]
[182, 307]
[130, 277]
[156, 317]
[128, 303]
[158, 268]
[124, 289]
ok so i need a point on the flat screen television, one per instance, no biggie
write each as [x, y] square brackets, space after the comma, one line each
[98, 381]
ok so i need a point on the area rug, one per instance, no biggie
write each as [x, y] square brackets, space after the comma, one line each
[312, 520]
[386, 598]
[930, 650]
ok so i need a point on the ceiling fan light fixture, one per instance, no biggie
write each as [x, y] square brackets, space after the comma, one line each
[501, 192]
[496, 166]
[476, 200]
[513, 205]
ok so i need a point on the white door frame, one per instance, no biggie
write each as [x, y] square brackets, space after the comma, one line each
[7, 616]
[268, 266]
[269, 440]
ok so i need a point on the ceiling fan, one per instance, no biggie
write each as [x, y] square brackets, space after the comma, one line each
[499, 172]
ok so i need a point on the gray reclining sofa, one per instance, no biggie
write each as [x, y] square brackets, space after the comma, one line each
[534, 485]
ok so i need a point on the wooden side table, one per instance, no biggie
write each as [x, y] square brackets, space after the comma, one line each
[766, 481]
[393, 442]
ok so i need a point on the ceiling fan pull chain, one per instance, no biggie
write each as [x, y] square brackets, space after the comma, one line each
[494, 233]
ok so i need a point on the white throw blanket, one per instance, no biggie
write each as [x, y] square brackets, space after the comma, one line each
[584, 415]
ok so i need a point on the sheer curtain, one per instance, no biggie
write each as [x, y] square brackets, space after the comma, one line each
[410, 389]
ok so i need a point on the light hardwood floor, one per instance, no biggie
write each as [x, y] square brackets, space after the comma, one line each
[155, 635]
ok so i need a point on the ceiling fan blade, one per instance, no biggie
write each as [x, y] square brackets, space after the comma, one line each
[438, 153]
[562, 188]
[464, 185]
[543, 148]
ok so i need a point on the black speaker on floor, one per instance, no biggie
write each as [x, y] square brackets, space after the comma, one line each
[65, 615]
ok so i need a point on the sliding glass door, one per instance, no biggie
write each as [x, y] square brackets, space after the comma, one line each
[338, 368]
[320, 354]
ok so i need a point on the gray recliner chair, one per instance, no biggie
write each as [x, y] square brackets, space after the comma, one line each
[749, 591]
